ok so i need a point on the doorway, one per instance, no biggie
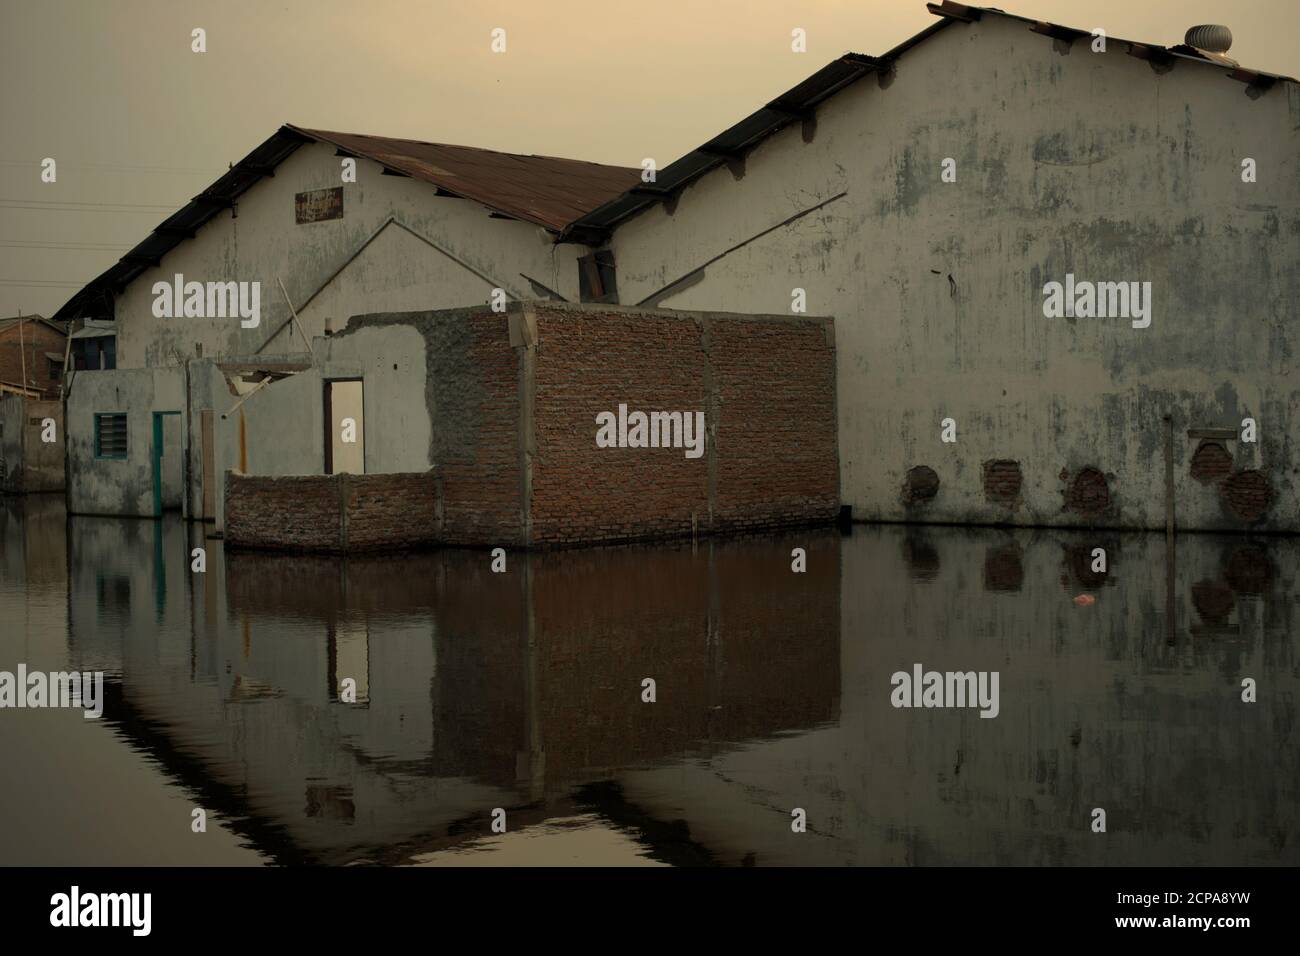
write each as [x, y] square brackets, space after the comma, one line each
[345, 439]
[168, 472]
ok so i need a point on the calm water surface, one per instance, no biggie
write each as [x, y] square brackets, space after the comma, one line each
[523, 691]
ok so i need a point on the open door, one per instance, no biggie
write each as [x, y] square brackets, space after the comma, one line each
[345, 440]
[168, 475]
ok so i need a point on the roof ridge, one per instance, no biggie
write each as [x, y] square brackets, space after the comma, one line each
[477, 149]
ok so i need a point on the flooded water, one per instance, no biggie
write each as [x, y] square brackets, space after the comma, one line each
[524, 692]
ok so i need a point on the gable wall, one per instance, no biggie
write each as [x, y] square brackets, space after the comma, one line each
[1084, 163]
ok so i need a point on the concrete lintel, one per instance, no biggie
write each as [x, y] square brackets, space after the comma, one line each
[523, 328]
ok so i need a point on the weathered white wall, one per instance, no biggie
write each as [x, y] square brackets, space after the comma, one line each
[98, 486]
[12, 417]
[1084, 163]
[280, 430]
[27, 463]
[395, 272]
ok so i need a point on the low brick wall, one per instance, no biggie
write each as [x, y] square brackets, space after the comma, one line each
[389, 512]
[331, 513]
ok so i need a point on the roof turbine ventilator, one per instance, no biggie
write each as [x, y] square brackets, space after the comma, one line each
[1210, 37]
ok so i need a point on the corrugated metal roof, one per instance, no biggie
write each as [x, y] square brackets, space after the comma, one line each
[800, 101]
[544, 190]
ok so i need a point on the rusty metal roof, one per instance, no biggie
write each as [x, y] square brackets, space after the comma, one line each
[799, 103]
[544, 190]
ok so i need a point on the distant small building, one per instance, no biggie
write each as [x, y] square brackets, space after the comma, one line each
[32, 350]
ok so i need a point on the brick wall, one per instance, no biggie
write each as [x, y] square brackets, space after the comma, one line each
[766, 385]
[389, 512]
[589, 363]
[331, 513]
[777, 440]
[476, 407]
[539, 376]
[37, 339]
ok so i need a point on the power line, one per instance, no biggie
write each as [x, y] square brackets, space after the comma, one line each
[39, 203]
[153, 212]
[39, 244]
[40, 283]
[120, 167]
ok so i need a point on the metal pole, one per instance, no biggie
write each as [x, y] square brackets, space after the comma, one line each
[293, 313]
[1169, 475]
[22, 349]
[1171, 607]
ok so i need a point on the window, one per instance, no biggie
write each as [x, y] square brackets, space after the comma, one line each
[110, 435]
[596, 277]
[56, 369]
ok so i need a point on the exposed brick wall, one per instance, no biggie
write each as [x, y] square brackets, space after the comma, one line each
[331, 513]
[920, 484]
[1002, 482]
[1089, 493]
[766, 386]
[389, 512]
[590, 363]
[777, 435]
[476, 419]
[1211, 462]
[1247, 494]
[296, 513]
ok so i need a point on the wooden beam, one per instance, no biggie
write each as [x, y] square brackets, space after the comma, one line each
[955, 11]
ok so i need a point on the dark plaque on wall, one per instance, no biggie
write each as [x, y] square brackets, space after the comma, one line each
[318, 205]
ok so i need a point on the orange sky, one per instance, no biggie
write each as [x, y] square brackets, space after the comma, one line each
[112, 91]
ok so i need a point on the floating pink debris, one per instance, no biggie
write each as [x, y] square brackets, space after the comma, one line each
[1083, 600]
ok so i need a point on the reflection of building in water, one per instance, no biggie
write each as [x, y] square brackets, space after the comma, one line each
[34, 575]
[480, 690]
[1098, 709]
[523, 690]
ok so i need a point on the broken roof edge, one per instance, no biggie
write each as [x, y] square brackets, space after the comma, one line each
[345, 143]
[596, 227]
